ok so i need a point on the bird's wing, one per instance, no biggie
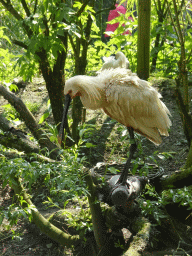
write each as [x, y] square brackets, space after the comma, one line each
[134, 103]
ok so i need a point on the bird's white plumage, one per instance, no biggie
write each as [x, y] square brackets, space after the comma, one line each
[119, 61]
[126, 98]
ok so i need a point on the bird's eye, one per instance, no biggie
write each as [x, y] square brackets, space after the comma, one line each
[69, 92]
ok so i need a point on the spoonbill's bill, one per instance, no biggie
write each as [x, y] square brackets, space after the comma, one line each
[124, 97]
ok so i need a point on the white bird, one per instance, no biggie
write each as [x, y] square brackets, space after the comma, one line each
[117, 61]
[124, 97]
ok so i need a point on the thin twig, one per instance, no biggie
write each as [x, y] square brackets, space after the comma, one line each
[173, 22]
[159, 5]
[112, 7]
[82, 8]
[164, 3]
[72, 44]
[177, 21]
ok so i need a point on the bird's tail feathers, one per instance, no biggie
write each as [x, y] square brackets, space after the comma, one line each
[152, 134]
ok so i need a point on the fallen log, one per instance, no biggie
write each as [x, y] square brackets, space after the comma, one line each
[30, 122]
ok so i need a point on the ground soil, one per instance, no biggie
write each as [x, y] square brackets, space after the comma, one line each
[110, 148]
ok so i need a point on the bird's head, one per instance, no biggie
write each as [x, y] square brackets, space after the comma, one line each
[72, 88]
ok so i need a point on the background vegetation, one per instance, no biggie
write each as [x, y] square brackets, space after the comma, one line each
[54, 40]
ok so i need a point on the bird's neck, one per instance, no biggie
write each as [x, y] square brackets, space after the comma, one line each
[92, 92]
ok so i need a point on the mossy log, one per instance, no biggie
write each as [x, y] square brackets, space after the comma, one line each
[178, 179]
[142, 228]
[43, 224]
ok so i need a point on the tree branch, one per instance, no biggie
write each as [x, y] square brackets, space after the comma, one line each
[82, 8]
[107, 9]
[35, 8]
[12, 10]
[143, 230]
[19, 43]
[44, 65]
[164, 3]
[72, 44]
[45, 22]
[173, 22]
[18, 140]
[178, 24]
[14, 138]
[27, 11]
[99, 226]
[30, 122]
[159, 4]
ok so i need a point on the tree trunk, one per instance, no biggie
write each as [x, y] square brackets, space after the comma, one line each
[143, 45]
[185, 115]
[80, 52]
[189, 158]
[54, 83]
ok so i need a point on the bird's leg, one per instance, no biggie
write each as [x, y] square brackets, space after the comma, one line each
[123, 178]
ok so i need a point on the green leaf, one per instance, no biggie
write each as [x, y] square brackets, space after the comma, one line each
[43, 117]
[13, 87]
[90, 145]
[113, 170]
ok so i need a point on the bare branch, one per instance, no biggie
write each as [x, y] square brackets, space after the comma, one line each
[27, 11]
[19, 43]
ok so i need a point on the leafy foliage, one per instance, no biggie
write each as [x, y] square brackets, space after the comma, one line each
[7, 59]
[59, 181]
